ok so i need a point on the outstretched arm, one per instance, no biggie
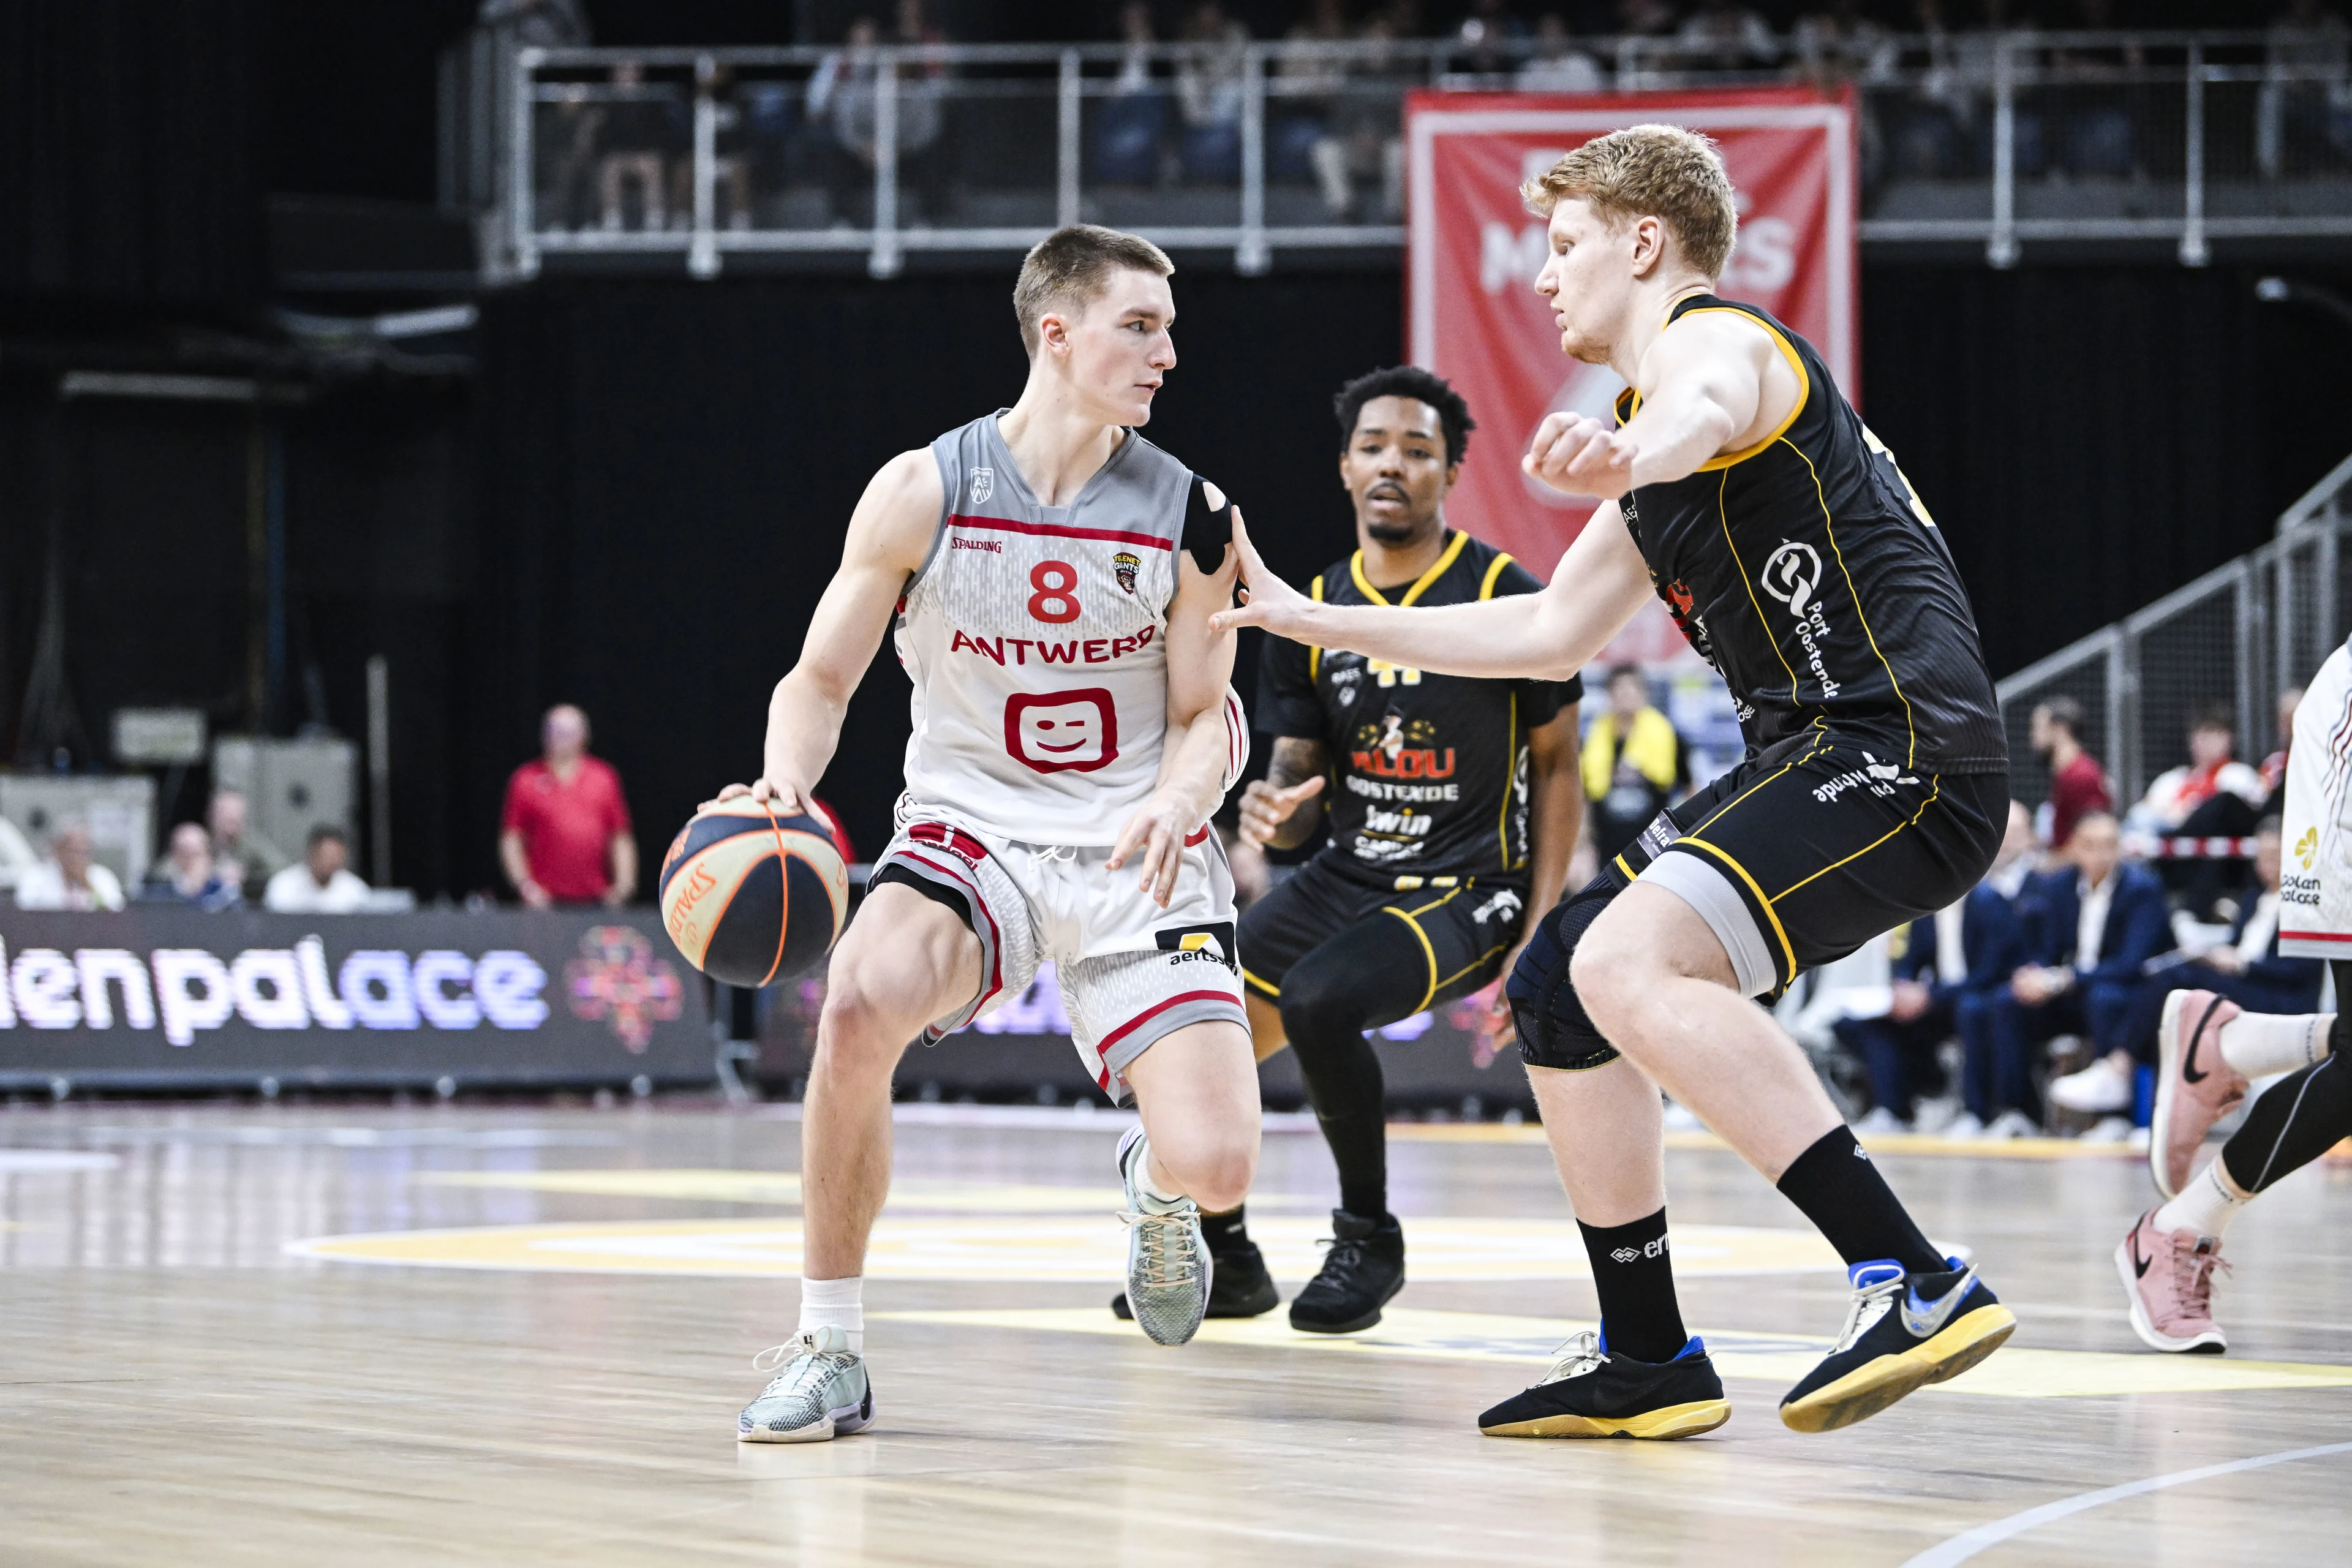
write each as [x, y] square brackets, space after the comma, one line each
[1550, 635]
[889, 534]
[1193, 757]
[1713, 383]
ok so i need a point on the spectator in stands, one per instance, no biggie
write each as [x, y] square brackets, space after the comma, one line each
[731, 164]
[1556, 64]
[636, 132]
[537, 23]
[1840, 46]
[1308, 83]
[2303, 115]
[193, 874]
[2213, 794]
[1366, 138]
[2093, 925]
[1725, 35]
[2100, 132]
[1490, 35]
[1132, 121]
[2078, 784]
[1928, 129]
[2246, 968]
[1208, 91]
[322, 883]
[1634, 763]
[241, 853]
[1951, 969]
[70, 878]
[565, 836]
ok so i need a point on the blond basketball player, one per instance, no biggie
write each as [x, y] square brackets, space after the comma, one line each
[1048, 576]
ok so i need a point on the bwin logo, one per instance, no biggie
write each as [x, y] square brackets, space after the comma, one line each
[1792, 574]
[984, 485]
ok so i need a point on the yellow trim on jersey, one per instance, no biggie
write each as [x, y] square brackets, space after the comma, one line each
[1472, 965]
[1619, 861]
[1873, 843]
[1420, 584]
[1761, 902]
[1314, 654]
[1722, 510]
[1270, 990]
[1428, 950]
[1910, 758]
[1494, 571]
[1788, 351]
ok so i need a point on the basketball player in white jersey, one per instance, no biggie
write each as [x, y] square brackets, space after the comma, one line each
[1048, 575]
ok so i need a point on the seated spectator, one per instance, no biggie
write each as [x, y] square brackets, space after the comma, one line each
[1131, 119]
[323, 883]
[1840, 46]
[241, 853]
[191, 875]
[636, 131]
[69, 879]
[2093, 927]
[1948, 974]
[1556, 64]
[1366, 138]
[1489, 35]
[2078, 784]
[2102, 136]
[1305, 91]
[565, 836]
[2214, 796]
[2303, 115]
[1634, 763]
[1725, 35]
[2247, 969]
[1209, 89]
[730, 162]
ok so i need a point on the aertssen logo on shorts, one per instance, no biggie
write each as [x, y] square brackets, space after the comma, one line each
[1211, 944]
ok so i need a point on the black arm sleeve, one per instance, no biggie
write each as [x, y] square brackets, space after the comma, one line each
[1287, 700]
[1207, 531]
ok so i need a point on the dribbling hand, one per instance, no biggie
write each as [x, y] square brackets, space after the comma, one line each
[1264, 808]
[784, 799]
[1579, 455]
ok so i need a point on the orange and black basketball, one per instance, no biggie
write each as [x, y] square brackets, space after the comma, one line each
[751, 898]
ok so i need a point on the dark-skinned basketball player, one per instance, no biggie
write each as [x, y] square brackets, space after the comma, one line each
[1453, 806]
[1740, 485]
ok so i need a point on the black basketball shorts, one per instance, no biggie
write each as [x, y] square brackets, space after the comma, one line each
[1462, 928]
[1794, 858]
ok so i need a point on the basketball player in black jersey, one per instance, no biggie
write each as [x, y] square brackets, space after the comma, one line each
[1452, 807]
[1743, 488]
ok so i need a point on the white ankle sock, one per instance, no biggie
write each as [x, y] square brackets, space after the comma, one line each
[837, 1302]
[2207, 1205]
[1145, 1187]
[2261, 1044]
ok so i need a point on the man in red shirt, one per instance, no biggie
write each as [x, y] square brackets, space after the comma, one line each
[2078, 785]
[565, 837]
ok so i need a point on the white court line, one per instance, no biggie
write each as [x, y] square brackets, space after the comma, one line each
[1962, 1547]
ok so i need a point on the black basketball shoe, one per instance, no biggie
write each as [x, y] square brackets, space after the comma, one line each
[1239, 1287]
[1902, 1332]
[1593, 1392]
[1363, 1270]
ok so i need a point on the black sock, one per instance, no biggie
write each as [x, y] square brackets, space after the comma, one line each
[1227, 1232]
[2339, 1034]
[1373, 972]
[2297, 1121]
[1849, 1203]
[1634, 1275]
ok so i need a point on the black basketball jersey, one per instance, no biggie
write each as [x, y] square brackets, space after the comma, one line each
[1428, 771]
[1807, 571]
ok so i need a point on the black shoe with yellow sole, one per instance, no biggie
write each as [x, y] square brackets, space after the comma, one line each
[1239, 1287]
[1903, 1331]
[1593, 1392]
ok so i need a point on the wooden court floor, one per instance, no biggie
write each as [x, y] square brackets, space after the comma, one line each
[361, 1334]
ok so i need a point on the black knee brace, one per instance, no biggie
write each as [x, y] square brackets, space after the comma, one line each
[1554, 1031]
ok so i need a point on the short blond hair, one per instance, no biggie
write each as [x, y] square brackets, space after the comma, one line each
[1071, 267]
[1651, 171]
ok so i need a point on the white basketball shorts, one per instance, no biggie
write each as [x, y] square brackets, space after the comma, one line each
[1131, 972]
[2315, 860]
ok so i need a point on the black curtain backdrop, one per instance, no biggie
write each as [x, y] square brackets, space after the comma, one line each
[130, 160]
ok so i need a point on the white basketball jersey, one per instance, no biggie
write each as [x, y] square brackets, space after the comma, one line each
[1033, 636]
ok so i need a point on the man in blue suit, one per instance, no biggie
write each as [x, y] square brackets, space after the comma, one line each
[2096, 924]
[1949, 968]
[2246, 969]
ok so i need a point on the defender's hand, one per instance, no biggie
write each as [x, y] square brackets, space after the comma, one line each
[784, 799]
[1266, 600]
[1157, 829]
[1265, 809]
[1580, 456]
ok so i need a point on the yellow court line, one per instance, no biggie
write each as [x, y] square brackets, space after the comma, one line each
[1422, 1333]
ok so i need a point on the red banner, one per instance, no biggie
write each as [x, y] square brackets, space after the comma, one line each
[1474, 317]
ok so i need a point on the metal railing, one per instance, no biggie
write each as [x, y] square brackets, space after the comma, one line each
[2232, 639]
[1997, 140]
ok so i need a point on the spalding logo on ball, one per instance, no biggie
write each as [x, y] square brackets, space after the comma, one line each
[751, 898]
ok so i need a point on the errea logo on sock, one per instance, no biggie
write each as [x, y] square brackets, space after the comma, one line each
[1656, 1249]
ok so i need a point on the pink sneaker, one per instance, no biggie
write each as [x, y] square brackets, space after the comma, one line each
[2169, 1276]
[2194, 1086]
